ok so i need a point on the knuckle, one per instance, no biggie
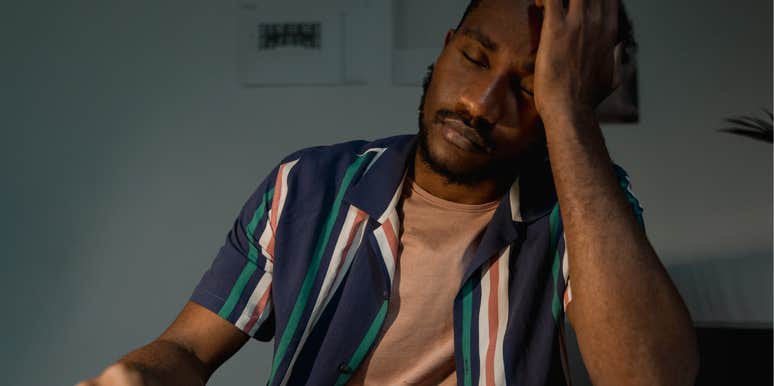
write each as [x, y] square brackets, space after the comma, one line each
[573, 20]
[594, 19]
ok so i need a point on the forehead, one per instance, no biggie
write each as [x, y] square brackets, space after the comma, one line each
[512, 26]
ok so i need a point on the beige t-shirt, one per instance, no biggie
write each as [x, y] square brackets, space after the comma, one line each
[416, 344]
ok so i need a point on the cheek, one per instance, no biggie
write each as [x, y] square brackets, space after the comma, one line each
[527, 117]
[514, 140]
[447, 84]
[522, 108]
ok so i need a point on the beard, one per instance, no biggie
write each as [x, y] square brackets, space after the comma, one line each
[499, 170]
[467, 177]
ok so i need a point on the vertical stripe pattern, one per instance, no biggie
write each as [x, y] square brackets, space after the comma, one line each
[387, 239]
[365, 344]
[493, 319]
[386, 236]
[555, 229]
[258, 307]
[347, 243]
[281, 188]
[333, 199]
[306, 287]
[467, 316]
[567, 298]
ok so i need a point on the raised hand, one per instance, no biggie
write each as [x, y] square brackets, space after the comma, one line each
[575, 63]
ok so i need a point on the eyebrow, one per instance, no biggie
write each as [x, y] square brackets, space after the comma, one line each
[526, 67]
[476, 34]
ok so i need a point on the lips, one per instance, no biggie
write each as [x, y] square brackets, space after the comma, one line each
[464, 136]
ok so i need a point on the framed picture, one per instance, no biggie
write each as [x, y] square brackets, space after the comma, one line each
[282, 45]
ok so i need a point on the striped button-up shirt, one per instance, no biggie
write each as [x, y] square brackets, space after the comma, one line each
[310, 259]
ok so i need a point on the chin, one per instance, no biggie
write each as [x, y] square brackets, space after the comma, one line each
[454, 159]
[458, 166]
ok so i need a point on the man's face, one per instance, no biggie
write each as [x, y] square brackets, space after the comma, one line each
[478, 116]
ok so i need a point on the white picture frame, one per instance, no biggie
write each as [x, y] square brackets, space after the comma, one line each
[294, 56]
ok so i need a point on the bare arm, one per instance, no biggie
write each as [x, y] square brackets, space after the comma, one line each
[632, 326]
[187, 353]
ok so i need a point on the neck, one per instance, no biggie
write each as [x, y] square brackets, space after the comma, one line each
[485, 191]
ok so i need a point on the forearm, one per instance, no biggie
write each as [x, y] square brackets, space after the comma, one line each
[631, 323]
[187, 353]
[164, 362]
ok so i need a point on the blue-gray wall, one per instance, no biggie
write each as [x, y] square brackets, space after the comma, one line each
[127, 147]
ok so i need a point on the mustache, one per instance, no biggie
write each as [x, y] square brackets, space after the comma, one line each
[482, 127]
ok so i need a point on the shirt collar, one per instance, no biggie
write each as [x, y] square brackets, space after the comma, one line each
[377, 190]
[531, 196]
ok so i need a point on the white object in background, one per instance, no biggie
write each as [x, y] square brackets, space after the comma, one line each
[284, 46]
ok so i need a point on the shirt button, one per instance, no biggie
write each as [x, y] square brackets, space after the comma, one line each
[343, 368]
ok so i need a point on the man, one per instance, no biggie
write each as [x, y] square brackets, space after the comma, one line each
[443, 259]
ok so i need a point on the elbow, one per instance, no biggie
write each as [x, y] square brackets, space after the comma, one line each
[692, 361]
[674, 363]
[681, 365]
[688, 372]
[688, 347]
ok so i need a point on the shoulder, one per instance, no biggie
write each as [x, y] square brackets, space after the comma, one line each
[313, 178]
[330, 162]
[345, 150]
[621, 174]
[624, 181]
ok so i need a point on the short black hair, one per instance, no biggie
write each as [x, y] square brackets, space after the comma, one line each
[625, 29]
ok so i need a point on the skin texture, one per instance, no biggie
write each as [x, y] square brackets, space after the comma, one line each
[187, 353]
[631, 324]
[519, 80]
[490, 92]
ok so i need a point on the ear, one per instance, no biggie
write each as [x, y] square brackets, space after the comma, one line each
[448, 37]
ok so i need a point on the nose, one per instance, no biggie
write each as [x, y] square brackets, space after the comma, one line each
[484, 97]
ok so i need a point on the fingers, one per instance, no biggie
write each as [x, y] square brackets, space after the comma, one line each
[599, 15]
[610, 17]
[578, 9]
[554, 12]
[610, 10]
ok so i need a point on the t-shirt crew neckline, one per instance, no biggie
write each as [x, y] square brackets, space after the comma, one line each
[451, 205]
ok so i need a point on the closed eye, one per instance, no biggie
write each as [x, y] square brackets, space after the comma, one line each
[474, 61]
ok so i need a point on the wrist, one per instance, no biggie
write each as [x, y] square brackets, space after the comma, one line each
[568, 115]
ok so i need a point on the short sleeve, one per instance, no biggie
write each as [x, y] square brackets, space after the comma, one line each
[238, 284]
[625, 184]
